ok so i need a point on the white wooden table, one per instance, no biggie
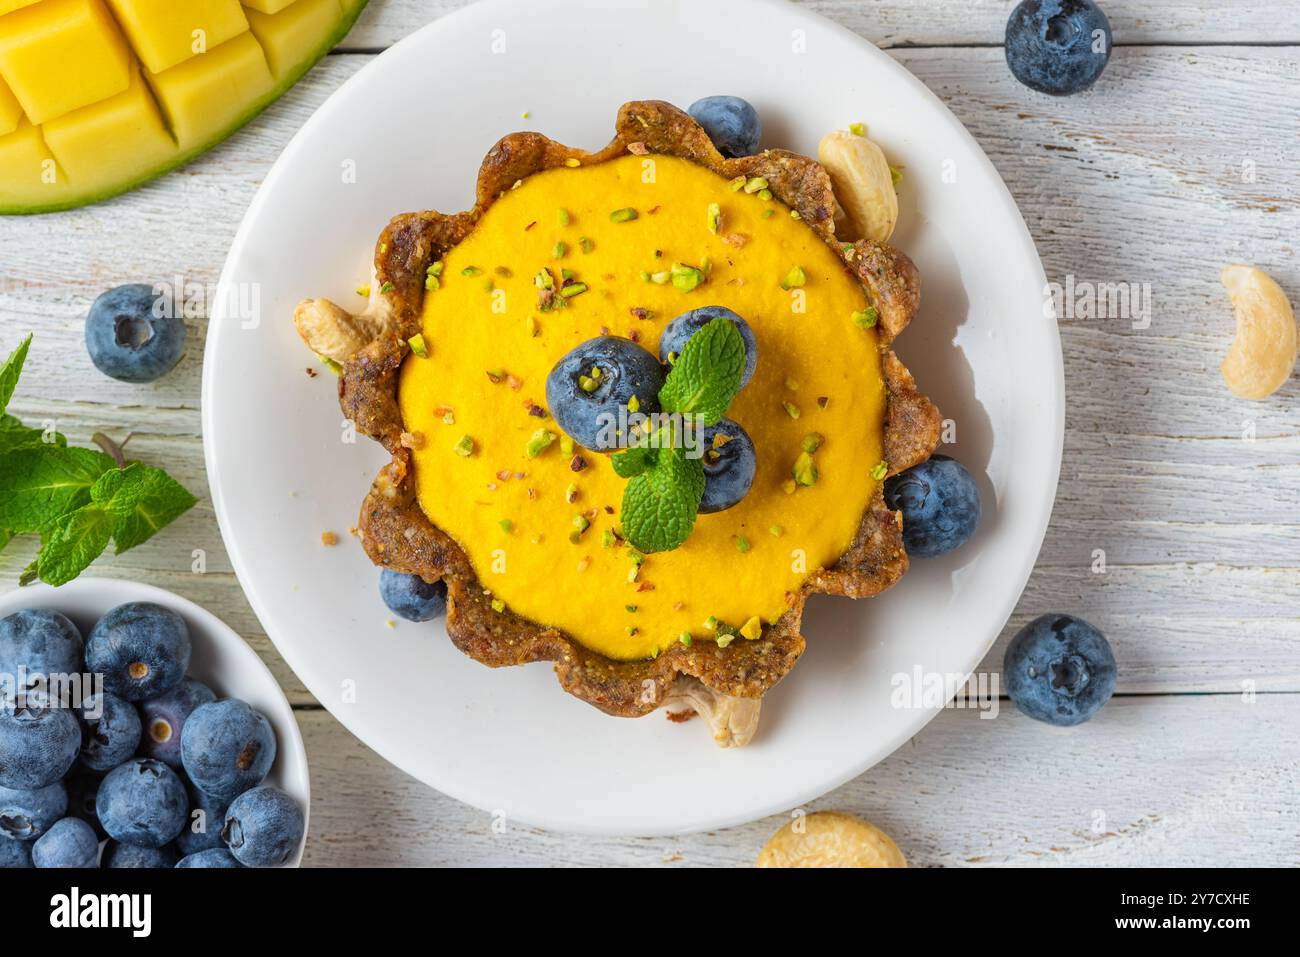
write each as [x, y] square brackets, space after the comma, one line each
[1185, 157]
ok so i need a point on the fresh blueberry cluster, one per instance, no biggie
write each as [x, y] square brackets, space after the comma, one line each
[156, 763]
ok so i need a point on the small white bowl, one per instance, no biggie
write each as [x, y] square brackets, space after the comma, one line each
[220, 660]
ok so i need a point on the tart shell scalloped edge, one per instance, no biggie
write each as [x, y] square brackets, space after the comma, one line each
[397, 534]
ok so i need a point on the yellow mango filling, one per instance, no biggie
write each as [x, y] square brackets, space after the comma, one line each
[543, 537]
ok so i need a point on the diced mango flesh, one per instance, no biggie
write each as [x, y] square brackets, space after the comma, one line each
[26, 162]
[10, 111]
[166, 32]
[203, 96]
[267, 6]
[60, 55]
[290, 36]
[107, 141]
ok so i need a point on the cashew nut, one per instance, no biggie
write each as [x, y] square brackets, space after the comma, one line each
[331, 331]
[863, 185]
[732, 720]
[830, 839]
[1263, 355]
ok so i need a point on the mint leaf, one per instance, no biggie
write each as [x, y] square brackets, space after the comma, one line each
[660, 504]
[11, 370]
[72, 543]
[39, 484]
[633, 461]
[141, 499]
[15, 435]
[706, 376]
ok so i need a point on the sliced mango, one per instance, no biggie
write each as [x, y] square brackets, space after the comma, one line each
[10, 111]
[103, 142]
[60, 55]
[106, 120]
[165, 32]
[289, 35]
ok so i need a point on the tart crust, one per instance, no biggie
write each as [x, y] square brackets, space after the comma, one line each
[397, 534]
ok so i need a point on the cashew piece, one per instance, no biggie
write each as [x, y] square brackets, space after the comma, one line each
[331, 331]
[830, 839]
[732, 720]
[863, 185]
[1263, 355]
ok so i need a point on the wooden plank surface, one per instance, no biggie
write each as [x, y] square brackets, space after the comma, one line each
[1191, 495]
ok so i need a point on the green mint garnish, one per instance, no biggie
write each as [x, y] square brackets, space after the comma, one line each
[77, 500]
[706, 376]
[660, 504]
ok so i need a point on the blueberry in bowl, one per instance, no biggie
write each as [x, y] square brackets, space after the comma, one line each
[203, 828]
[940, 504]
[143, 802]
[119, 856]
[142, 649]
[39, 743]
[163, 718]
[130, 338]
[211, 858]
[678, 332]
[15, 855]
[1059, 669]
[729, 465]
[411, 597]
[27, 814]
[226, 748]
[731, 122]
[263, 827]
[591, 390]
[38, 641]
[71, 842]
[1058, 47]
[110, 731]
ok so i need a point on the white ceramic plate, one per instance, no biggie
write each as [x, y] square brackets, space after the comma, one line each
[220, 659]
[409, 132]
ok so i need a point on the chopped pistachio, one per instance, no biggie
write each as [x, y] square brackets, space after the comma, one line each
[715, 218]
[751, 629]
[435, 268]
[431, 283]
[858, 129]
[866, 318]
[562, 216]
[737, 183]
[571, 493]
[624, 215]
[573, 289]
[812, 442]
[645, 276]
[573, 162]
[880, 471]
[685, 278]
[792, 384]
[539, 442]
[742, 544]
[765, 195]
[630, 608]
[636, 557]
[724, 640]
[533, 329]
[607, 538]
[634, 404]
[685, 638]
[711, 623]
[544, 279]
[896, 174]
[755, 184]
[498, 605]
[560, 250]
[419, 347]
[386, 288]
[507, 526]
[586, 244]
[805, 470]
[794, 279]
[363, 290]
[768, 213]
[791, 409]
[471, 271]
[776, 531]
[566, 445]
[566, 274]
[330, 364]
[788, 486]
[660, 278]
[794, 214]
[464, 447]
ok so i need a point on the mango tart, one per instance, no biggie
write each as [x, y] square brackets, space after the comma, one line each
[446, 369]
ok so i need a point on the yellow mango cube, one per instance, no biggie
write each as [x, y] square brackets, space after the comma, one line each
[293, 35]
[106, 142]
[60, 55]
[167, 32]
[26, 165]
[268, 6]
[10, 111]
[204, 96]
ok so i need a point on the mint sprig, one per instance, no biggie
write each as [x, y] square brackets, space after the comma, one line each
[77, 500]
[662, 497]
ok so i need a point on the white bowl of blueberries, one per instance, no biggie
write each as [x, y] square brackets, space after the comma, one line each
[139, 731]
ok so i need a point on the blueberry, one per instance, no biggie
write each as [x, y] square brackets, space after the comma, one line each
[38, 743]
[38, 642]
[26, 815]
[203, 825]
[676, 333]
[110, 731]
[263, 827]
[212, 857]
[164, 718]
[118, 855]
[15, 855]
[411, 597]
[1059, 669]
[227, 748]
[141, 649]
[71, 842]
[728, 467]
[142, 802]
[1058, 46]
[128, 339]
[590, 408]
[731, 123]
[940, 505]
[83, 790]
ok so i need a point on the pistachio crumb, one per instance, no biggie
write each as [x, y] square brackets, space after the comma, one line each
[858, 129]
[539, 442]
[498, 605]
[464, 447]
[791, 409]
[751, 629]
[866, 318]
[742, 544]
[419, 347]
[573, 162]
[805, 470]
[756, 184]
[715, 218]
[507, 526]
[776, 531]
[794, 279]
[685, 638]
[880, 471]
[624, 215]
